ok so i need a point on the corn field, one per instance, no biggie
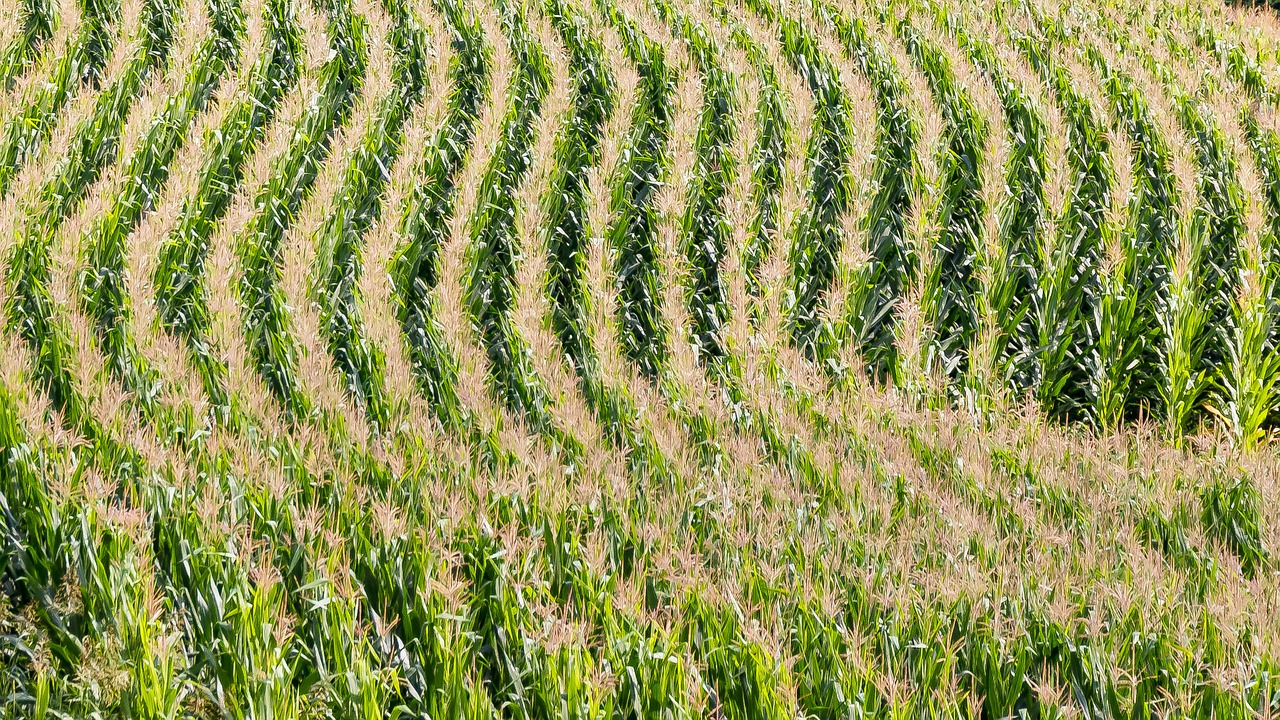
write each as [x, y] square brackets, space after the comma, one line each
[639, 359]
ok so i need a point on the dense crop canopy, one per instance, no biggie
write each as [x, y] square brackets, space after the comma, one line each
[639, 359]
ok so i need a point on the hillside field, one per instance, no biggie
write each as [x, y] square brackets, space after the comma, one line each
[639, 360]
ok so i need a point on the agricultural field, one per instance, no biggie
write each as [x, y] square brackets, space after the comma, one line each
[639, 359]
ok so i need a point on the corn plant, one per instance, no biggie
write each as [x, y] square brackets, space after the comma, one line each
[179, 273]
[80, 65]
[357, 207]
[265, 317]
[30, 309]
[954, 315]
[39, 19]
[634, 228]
[1069, 254]
[1229, 512]
[102, 289]
[415, 270]
[1138, 297]
[1023, 219]
[890, 267]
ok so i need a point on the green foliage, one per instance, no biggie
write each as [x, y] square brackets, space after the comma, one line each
[356, 207]
[39, 18]
[103, 292]
[180, 262]
[30, 308]
[80, 65]
[633, 231]
[891, 265]
[163, 554]
[265, 315]
[415, 268]
[1230, 514]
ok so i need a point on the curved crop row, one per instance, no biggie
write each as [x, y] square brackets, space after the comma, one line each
[30, 308]
[1067, 279]
[770, 117]
[705, 225]
[1139, 281]
[265, 317]
[1026, 219]
[891, 263]
[817, 231]
[102, 288]
[179, 275]
[633, 231]
[39, 18]
[490, 284]
[953, 314]
[80, 65]
[577, 149]
[357, 207]
[415, 270]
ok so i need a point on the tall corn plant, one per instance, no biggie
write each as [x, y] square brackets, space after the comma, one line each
[180, 263]
[828, 678]
[264, 314]
[891, 263]
[633, 231]
[817, 231]
[1252, 385]
[415, 267]
[769, 158]
[565, 202]
[1128, 357]
[1024, 218]
[80, 65]
[103, 290]
[398, 575]
[960, 208]
[743, 681]
[39, 20]
[357, 206]
[1205, 265]
[1251, 382]
[1184, 322]
[705, 224]
[34, 529]
[1066, 278]
[491, 255]
[521, 675]
[30, 308]
[653, 673]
